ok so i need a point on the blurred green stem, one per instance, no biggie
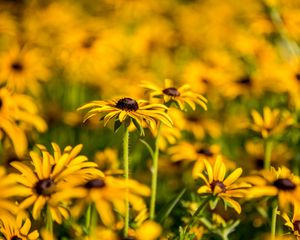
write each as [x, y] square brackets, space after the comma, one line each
[268, 153]
[273, 223]
[154, 174]
[126, 175]
[49, 221]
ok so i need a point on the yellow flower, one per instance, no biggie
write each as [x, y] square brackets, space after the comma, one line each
[294, 223]
[185, 151]
[22, 69]
[148, 230]
[17, 229]
[281, 183]
[182, 96]
[271, 122]
[140, 112]
[107, 192]
[8, 190]
[18, 113]
[219, 186]
[52, 181]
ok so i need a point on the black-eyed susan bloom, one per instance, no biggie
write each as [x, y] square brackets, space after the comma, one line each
[8, 190]
[182, 95]
[17, 229]
[139, 111]
[279, 183]
[108, 193]
[51, 180]
[270, 122]
[18, 114]
[221, 186]
[294, 222]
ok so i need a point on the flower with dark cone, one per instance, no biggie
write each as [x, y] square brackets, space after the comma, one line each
[182, 96]
[219, 186]
[52, 181]
[280, 183]
[139, 111]
[17, 228]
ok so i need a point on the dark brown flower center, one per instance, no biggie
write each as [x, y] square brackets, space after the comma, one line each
[17, 66]
[15, 238]
[193, 118]
[128, 238]
[259, 163]
[1, 103]
[171, 92]
[297, 226]
[246, 80]
[284, 184]
[95, 183]
[127, 104]
[88, 42]
[297, 76]
[44, 187]
[205, 152]
[219, 184]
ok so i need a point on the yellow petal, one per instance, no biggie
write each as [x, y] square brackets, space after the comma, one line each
[233, 177]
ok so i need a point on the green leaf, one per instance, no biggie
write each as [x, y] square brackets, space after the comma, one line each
[213, 203]
[117, 125]
[138, 127]
[169, 207]
[150, 150]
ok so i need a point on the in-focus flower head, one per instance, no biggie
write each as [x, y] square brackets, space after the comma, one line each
[17, 228]
[126, 109]
[219, 186]
[271, 122]
[182, 96]
[52, 181]
[280, 183]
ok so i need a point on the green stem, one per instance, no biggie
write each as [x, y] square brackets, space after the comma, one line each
[154, 174]
[126, 175]
[49, 222]
[88, 217]
[268, 154]
[274, 217]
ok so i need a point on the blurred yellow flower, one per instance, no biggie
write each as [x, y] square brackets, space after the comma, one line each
[182, 96]
[294, 222]
[281, 183]
[17, 228]
[271, 122]
[18, 113]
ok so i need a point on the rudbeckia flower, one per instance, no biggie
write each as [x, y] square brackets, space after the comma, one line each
[294, 222]
[109, 192]
[182, 96]
[271, 122]
[18, 113]
[281, 184]
[51, 181]
[23, 69]
[17, 229]
[219, 186]
[139, 111]
[8, 189]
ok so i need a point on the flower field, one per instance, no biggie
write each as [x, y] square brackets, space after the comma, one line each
[145, 120]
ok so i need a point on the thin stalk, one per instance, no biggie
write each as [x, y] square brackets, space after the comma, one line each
[268, 154]
[88, 217]
[154, 174]
[126, 175]
[49, 221]
[273, 223]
